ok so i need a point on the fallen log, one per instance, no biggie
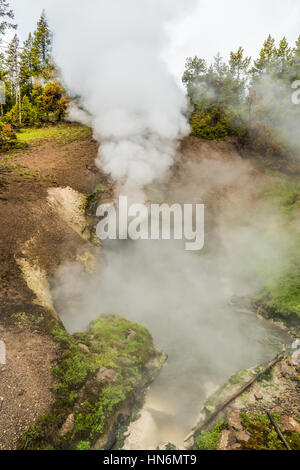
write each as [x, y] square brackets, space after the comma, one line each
[197, 430]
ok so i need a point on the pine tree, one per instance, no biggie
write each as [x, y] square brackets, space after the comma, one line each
[6, 15]
[12, 61]
[13, 66]
[239, 65]
[195, 68]
[295, 62]
[27, 65]
[42, 45]
[283, 57]
[266, 57]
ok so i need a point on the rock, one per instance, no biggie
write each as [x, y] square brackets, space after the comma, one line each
[84, 348]
[105, 375]
[242, 436]
[289, 424]
[258, 396]
[234, 420]
[67, 426]
[162, 446]
[224, 440]
[131, 336]
[234, 447]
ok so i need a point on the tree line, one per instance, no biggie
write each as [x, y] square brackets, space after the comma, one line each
[30, 93]
[248, 99]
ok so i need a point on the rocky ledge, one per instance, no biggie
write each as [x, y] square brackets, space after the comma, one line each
[251, 420]
[101, 377]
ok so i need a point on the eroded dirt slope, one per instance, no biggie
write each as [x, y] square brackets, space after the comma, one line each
[33, 236]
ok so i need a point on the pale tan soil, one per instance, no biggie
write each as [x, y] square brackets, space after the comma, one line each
[27, 217]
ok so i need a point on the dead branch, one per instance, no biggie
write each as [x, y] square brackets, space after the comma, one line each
[277, 429]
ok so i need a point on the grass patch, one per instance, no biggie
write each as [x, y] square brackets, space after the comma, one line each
[63, 134]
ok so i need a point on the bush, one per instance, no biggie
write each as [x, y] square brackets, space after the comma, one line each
[8, 138]
[51, 101]
[29, 115]
[210, 124]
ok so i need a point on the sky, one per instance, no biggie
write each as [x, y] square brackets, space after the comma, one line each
[214, 26]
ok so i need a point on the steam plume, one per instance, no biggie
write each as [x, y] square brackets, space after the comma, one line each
[110, 55]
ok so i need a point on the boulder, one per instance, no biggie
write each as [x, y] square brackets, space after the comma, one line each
[224, 440]
[131, 336]
[84, 348]
[105, 375]
[289, 424]
[234, 420]
[242, 436]
[67, 426]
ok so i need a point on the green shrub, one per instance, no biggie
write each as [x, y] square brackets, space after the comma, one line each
[210, 124]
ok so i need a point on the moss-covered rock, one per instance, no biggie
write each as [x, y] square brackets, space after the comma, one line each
[99, 373]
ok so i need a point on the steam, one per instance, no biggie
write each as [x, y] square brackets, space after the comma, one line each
[183, 298]
[110, 55]
[283, 115]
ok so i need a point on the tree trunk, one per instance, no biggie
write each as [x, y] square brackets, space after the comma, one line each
[20, 106]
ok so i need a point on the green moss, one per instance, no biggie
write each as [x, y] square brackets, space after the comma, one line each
[267, 376]
[25, 321]
[284, 192]
[115, 344]
[171, 446]
[83, 445]
[210, 440]
[93, 199]
[263, 435]
[280, 295]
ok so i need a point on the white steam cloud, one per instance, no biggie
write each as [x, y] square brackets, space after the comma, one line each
[110, 54]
